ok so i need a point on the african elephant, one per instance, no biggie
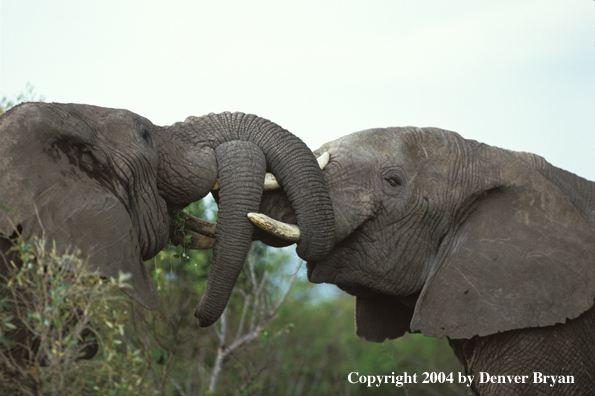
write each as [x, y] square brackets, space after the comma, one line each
[106, 181]
[491, 248]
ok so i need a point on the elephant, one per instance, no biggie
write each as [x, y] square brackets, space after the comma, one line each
[449, 237]
[106, 181]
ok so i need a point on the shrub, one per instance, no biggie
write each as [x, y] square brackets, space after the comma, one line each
[48, 302]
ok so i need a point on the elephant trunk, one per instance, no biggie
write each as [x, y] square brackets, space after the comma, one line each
[242, 167]
[295, 168]
[285, 155]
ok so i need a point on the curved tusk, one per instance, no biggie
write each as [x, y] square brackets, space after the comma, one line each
[197, 241]
[289, 232]
[270, 181]
[199, 226]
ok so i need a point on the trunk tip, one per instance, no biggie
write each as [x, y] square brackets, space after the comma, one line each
[201, 319]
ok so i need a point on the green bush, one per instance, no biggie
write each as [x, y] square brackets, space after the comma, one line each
[49, 303]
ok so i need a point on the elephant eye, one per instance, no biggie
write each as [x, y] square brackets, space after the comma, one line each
[393, 181]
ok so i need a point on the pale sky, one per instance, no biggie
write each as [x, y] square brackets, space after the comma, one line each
[519, 74]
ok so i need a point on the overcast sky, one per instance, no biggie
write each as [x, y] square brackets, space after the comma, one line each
[519, 74]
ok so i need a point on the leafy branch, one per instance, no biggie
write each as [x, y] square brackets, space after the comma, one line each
[48, 300]
[262, 311]
[179, 236]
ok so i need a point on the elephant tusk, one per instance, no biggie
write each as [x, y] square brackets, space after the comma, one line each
[199, 226]
[197, 241]
[289, 232]
[270, 181]
[323, 160]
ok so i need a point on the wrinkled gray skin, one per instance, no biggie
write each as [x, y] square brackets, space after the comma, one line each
[106, 180]
[450, 237]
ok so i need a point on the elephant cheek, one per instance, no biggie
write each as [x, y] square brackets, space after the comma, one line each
[152, 227]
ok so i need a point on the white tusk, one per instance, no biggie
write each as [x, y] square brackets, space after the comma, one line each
[323, 160]
[270, 182]
[289, 232]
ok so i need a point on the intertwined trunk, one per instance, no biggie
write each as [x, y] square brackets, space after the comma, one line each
[245, 147]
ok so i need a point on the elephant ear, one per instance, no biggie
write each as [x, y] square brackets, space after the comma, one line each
[522, 256]
[380, 317]
[54, 186]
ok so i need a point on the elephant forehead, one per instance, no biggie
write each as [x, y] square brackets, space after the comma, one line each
[110, 126]
[432, 157]
[364, 150]
[96, 115]
[395, 142]
[370, 142]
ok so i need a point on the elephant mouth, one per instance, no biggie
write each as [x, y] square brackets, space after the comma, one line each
[321, 272]
[311, 267]
[327, 272]
[359, 290]
[324, 272]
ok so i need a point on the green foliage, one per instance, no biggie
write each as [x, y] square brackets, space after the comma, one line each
[178, 223]
[317, 357]
[49, 301]
[308, 349]
[28, 96]
[175, 347]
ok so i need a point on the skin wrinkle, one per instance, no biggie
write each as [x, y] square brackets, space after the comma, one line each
[50, 190]
[176, 179]
[280, 152]
[240, 163]
[408, 280]
[502, 354]
[94, 249]
[272, 138]
[79, 119]
[136, 196]
[142, 223]
[469, 189]
[412, 227]
[124, 170]
[343, 267]
[415, 226]
[182, 179]
[377, 281]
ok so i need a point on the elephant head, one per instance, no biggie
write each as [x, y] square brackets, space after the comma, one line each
[106, 180]
[450, 237]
